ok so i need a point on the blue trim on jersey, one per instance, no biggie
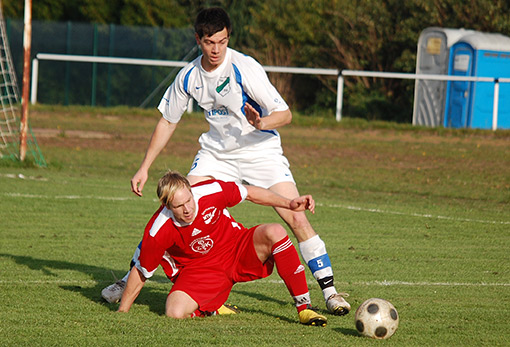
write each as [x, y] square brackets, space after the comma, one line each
[247, 99]
[186, 80]
[319, 263]
[239, 78]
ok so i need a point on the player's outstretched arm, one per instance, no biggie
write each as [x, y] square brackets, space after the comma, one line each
[267, 197]
[134, 285]
[160, 137]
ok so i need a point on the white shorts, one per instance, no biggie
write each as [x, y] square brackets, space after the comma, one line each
[262, 170]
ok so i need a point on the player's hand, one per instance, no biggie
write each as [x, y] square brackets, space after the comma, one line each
[253, 116]
[303, 203]
[138, 181]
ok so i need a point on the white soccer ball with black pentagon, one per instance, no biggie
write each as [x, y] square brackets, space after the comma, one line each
[376, 318]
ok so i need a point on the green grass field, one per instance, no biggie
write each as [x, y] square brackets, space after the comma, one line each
[420, 217]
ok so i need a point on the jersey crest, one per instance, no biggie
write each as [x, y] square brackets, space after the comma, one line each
[223, 87]
[202, 245]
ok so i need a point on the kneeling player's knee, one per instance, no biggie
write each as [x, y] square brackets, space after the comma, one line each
[276, 232]
[176, 312]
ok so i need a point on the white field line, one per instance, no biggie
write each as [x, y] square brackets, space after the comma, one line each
[420, 215]
[407, 283]
[431, 284]
[347, 207]
[368, 283]
[23, 177]
[68, 197]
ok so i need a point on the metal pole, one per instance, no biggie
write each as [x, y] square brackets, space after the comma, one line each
[111, 44]
[27, 37]
[35, 78]
[94, 70]
[339, 97]
[68, 64]
[496, 103]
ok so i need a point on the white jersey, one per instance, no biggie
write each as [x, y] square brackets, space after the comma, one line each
[222, 94]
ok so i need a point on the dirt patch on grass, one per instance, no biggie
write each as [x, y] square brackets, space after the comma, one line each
[82, 134]
[303, 145]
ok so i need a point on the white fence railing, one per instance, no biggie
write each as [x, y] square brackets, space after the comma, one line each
[279, 69]
[376, 74]
[151, 62]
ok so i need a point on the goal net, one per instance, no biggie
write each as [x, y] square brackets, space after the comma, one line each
[10, 107]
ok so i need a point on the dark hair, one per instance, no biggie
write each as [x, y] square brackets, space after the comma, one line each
[212, 20]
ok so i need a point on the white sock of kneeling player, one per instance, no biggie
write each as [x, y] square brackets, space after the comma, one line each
[316, 257]
[134, 260]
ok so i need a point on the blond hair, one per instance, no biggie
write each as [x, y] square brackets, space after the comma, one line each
[169, 184]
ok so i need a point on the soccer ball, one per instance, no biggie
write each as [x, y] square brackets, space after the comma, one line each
[376, 318]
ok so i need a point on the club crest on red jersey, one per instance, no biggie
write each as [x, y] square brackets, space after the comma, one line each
[202, 245]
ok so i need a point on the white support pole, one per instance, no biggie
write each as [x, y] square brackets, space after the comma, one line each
[35, 77]
[495, 107]
[339, 97]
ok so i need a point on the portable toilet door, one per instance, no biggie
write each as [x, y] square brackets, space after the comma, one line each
[471, 104]
[458, 92]
[434, 45]
[492, 59]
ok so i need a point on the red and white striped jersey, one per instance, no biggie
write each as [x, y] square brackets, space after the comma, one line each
[207, 240]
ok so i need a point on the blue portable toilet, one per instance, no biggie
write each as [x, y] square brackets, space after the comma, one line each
[471, 104]
[433, 56]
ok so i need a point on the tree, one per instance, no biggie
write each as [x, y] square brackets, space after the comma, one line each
[378, 35]
[127, 12]
[279, 33]
[163, 13]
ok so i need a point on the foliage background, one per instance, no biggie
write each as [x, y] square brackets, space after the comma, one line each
[377, 35]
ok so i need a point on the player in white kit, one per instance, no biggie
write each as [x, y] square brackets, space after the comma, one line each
[243, 110]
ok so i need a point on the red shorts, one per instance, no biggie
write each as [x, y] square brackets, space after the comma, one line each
[210, 285]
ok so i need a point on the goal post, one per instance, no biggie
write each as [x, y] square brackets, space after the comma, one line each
[10, 109]
[27, 41]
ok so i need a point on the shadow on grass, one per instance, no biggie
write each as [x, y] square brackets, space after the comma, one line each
[346, 331]
[268, 299]
[154, 298]
[262, 297]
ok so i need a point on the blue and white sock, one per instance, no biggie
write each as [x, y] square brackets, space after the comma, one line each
[316, 257]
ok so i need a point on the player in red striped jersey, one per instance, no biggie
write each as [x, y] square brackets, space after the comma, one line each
[244, 111]
[204, 251]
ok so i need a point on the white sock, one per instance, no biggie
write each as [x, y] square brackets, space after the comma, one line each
[316, 257]
[134, 260]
